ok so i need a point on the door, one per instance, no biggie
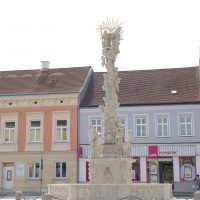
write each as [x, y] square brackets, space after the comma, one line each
[166, 172]
[8, 177]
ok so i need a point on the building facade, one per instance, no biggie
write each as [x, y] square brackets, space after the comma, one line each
[39, 126]
[161, 109]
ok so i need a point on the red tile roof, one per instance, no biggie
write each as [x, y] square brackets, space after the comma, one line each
[147, 87]
[57, 80]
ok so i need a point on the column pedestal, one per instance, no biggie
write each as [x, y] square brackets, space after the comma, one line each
[110, 170]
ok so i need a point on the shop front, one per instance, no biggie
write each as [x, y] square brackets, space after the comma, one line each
[176, 164]
[166, 163]
[160, 170]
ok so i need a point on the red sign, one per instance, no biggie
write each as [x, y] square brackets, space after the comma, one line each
[80, 152]
[153, 151]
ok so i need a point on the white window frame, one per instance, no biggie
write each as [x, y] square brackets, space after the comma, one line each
[146, 116]
[62, 127]
[61, 163]
[167, 115]
[9, 132]
[34, 169]
[35, 131]
[185, 114]
[9, 117]
[60, 115]
[35, 116]
[96, 118]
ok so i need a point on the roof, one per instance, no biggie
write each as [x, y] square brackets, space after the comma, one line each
[147, 87]
[51, 81]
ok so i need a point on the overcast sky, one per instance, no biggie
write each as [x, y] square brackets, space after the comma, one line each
[157, 33]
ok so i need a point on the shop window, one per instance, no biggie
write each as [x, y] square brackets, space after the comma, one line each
[34, 170]
[136, 170]
[187, 168]
[61, 170]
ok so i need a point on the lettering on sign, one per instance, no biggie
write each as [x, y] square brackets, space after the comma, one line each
[168, 152]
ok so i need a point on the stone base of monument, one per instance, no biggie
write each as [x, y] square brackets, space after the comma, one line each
[197, 195]
[111, 191]
[110, 170]
[115, 174]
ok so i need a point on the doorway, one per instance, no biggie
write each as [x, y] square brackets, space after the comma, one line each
[8, 170]
[166, 174]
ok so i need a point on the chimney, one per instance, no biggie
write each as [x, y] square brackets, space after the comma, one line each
[45, 65]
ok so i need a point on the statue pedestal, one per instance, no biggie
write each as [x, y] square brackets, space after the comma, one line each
[110, 170]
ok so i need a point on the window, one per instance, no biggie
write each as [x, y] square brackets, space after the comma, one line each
[9, 132]
[187, 168]
[35, 130]
[141, 126]
[162, 125]
[34, 170]
[61, 170]
[96, 123]
[61, 130]
[185, 125]
[9, 127]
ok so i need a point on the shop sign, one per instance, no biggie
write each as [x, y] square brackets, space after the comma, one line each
[153, 151]
[163, 150]
[80, 152]
[167, 153]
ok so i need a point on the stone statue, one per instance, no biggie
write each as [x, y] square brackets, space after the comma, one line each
[127, 145]
[110, 160]
[93, 140]
[108, 178]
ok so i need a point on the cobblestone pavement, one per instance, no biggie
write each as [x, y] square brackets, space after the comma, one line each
[183, 198]
[39, 198]
[26, 196]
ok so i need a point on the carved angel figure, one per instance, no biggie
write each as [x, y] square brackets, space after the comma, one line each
[127, 145]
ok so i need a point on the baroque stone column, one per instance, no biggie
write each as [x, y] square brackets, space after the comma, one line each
[110, 160]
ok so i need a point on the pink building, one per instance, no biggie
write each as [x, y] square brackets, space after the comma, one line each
[39, 126]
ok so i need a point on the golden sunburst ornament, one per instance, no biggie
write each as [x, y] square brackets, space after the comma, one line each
[110, 26]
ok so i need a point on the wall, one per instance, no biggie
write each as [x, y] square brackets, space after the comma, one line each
[25, 184]
[47, 136]
[151, 111]
[24, 152]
